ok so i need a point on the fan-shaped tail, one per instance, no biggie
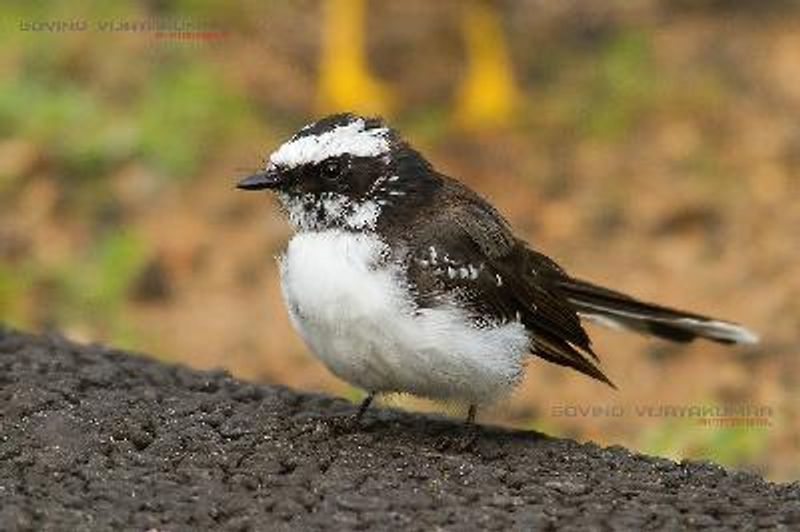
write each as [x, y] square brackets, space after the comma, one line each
[617, 310]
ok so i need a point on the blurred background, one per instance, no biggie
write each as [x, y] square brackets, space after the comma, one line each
[650, 145]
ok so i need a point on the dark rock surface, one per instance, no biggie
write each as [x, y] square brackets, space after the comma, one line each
[92, 438]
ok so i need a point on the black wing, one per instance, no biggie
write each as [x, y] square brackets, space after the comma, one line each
[468, 252]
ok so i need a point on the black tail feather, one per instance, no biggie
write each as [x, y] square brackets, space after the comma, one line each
[615, 309]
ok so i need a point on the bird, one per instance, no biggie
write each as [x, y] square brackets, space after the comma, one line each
[402, 279]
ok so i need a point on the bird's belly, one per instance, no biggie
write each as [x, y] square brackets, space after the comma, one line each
[353, 309]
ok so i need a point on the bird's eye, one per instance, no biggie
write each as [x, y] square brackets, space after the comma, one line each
[331, 170]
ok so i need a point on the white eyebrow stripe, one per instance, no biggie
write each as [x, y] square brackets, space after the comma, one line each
[350, 139]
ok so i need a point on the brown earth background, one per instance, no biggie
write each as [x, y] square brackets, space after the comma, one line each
[650, 145]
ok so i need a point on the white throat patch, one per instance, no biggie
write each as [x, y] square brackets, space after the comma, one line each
[309, 212]
[350, 139]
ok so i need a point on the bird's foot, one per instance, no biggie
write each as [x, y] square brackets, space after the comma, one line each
[464, 441]
[347, 424]
[342, 424]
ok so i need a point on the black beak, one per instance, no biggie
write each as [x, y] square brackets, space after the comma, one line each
[268, 178]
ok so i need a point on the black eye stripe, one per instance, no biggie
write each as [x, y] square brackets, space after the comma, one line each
[334, 167]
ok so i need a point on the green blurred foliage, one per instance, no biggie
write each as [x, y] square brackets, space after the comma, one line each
[90, 289]
[623, 85]
[170, 116]
[732, 446]
[184, 114]
[173, 110]
[12, 290]
[601, 91]
[94, 287]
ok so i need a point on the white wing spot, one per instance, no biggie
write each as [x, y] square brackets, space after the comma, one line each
[474, 272]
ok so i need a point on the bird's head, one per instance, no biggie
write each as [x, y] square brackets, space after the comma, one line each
[342, 171]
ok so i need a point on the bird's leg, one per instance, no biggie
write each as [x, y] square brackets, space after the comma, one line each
[469, 434]
[363, 407]
[470, 429]
[473, 410]
[345, 424]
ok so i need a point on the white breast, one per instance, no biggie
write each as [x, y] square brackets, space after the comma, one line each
[354, 311]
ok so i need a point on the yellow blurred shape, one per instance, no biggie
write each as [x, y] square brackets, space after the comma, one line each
[345, 82]
[488, 96]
